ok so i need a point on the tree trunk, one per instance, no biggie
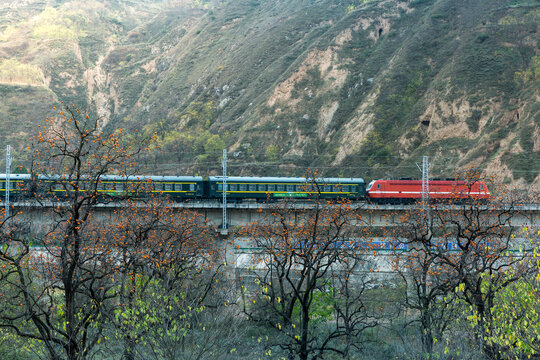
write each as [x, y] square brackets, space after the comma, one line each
[491, 351]
[129, 346]
[303, 353]
[427, 334]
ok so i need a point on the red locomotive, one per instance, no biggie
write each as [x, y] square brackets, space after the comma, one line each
[408, 191]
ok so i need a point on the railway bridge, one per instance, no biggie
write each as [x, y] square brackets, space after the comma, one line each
[240, 214]
[239, 250]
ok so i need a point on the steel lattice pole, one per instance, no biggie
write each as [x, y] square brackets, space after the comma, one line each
[224, 163]
[8, 173]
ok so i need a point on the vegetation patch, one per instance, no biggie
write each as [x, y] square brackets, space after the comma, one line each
[12, 71]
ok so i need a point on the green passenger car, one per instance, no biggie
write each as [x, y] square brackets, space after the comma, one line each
[274, 188]
[178, 188]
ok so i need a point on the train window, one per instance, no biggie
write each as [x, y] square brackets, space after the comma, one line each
[177, 187]
[290, 188]
[345, 188]
[233, 187]
[100, 186]
[220, 187]
[252, 187]
[271, 187]
[299, 188]
[281, 188]
[2, 185]
[192, 187]
[262, 187]
[119, 187]
[243, 187]
[58, 186]
[378, 186]
[327, 188]
[109, 186]
[481, 187]
[168, 187]
[158, 187]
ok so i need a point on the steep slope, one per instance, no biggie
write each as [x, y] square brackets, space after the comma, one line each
[352, 88]
[53, 50]
[297, 84]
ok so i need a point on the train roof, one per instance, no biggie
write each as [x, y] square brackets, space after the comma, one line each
[15, 176]
[200, 178]
[109, 177]
[431, 181]
[287, 179]
[152, 178]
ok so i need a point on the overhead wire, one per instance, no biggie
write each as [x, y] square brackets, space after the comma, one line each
[283, 163]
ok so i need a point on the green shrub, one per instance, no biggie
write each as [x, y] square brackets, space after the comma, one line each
[472, 121]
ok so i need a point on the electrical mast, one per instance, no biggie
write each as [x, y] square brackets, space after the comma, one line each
[224, 164]
[8, 173]
[425, 181]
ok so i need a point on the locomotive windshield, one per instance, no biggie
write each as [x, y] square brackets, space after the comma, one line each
[370, 185]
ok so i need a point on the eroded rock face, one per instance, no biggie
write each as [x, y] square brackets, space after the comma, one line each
[15, 4]
[368, 89]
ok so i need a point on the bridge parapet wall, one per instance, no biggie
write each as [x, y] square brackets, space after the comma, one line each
[241, 214]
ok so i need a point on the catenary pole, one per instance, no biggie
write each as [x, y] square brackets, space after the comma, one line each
[8, 173]
[425, 180]
[224, 190]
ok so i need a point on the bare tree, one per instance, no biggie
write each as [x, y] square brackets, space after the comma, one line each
[428, 282]
[167, 269]
[60, 289]
[464, 250]
[309, 279]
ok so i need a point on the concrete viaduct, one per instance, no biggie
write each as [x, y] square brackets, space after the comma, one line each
[239, 214]
[238, 250]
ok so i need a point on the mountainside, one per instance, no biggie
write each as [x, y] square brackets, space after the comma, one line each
[353, 88]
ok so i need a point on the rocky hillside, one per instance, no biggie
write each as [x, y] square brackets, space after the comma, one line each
[353, 88]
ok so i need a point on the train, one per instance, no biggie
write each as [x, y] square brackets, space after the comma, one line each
[409, 191]
[261, 189]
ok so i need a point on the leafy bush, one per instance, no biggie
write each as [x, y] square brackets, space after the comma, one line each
[472, 121]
